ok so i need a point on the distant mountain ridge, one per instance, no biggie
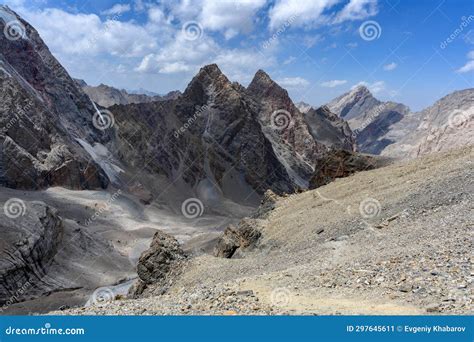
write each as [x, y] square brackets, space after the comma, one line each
[107, 96]
[391, 129]
[369, 118]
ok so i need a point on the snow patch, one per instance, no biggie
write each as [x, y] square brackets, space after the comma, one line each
[102, 156]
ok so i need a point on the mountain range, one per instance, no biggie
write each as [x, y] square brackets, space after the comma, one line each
[107, 96]
[99, 170]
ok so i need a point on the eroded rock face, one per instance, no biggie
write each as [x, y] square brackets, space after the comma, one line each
[328, 128]
[31, 235]
[42, 112]
[212, 129]
[284, 125]
[244, 236]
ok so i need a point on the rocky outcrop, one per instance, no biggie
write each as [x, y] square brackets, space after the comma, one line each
[267, 204]
[242, 237]
[31, 234]
[340, 163]
[159, 264]
[107, 96]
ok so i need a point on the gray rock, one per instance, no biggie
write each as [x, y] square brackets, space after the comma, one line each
[245, 236]
[158, 261]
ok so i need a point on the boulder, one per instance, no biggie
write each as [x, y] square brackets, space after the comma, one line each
[341, 163]
[244, 236]
[158, 261]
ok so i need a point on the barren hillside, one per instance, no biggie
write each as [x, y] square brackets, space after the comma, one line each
[396, 240]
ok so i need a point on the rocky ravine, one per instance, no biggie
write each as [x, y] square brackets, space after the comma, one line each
[400, 243]
[133, 167]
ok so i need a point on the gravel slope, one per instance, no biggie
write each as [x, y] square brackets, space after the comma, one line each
[396, 240]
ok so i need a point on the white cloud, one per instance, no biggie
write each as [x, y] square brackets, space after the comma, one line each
[293, 82]
[179, 55]
[117, 9]
[227, 17]
[357, 10]
[469, 66]
[333, 83]
[375, 87]
[91, 35]
[310, 41]
[184, 56]
[156, 15]
[300, 12]
[390, 66]
[317, 12]
[289, 60]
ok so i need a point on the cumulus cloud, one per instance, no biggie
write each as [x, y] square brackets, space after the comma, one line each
[390, 66]
[91, 35]
[469, 66]
[293, 82]
[333, 83]
[317, 12]
[231, 17]
[357, 10]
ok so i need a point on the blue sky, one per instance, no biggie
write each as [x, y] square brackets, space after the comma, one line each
[412, 52]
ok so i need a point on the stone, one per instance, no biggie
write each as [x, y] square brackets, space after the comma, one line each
[245, 236]
[156, 262]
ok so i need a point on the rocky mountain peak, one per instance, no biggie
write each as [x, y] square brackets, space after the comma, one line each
[263, 85]
[209, 76]
[361, 90]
